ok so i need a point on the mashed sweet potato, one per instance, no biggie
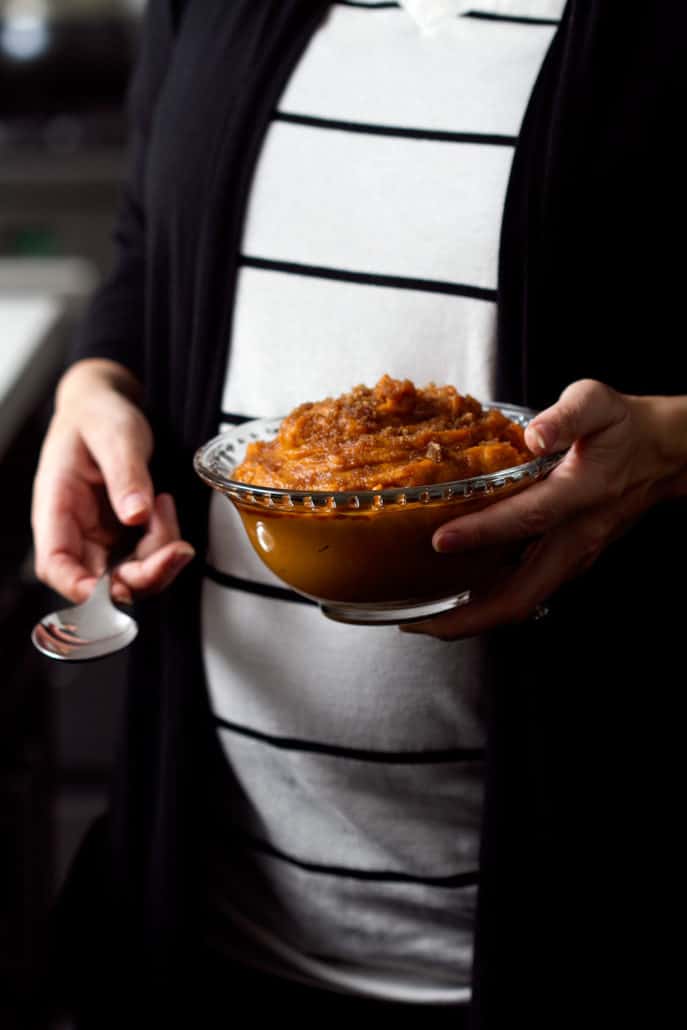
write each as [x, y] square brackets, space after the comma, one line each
[391, 435]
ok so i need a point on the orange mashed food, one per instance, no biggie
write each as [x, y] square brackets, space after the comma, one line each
[391, 435]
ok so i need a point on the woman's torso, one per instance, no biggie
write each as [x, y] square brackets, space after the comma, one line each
[370, 246]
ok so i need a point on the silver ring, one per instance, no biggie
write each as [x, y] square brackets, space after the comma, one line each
[540, 612]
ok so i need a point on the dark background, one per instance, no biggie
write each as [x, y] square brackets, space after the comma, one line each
[64, 66]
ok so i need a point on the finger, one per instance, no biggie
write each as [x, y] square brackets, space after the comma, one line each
[590, 419]
[163, 527]
[536, 510]
[69, 577]
[584, 408]
[65, 558]
[549, 562]
[512, 601]
[121, 445]
[155, 572]
[160, 555]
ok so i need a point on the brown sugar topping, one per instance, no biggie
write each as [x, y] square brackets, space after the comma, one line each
[391, 435]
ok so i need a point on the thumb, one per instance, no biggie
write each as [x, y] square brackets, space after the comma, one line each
[584, 408]
[121, 446]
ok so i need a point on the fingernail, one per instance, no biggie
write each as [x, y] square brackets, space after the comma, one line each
[182, 558]
[134, 504]
[445, 542]
[544, 436]
[121, 594]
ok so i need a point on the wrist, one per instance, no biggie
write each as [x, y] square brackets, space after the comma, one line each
[664, 423]
[91, 376]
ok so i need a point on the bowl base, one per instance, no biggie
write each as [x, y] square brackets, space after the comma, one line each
[392, 613]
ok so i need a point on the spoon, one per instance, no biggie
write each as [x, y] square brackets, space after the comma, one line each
[96, 627]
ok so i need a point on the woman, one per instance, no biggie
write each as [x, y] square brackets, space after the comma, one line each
[577, 308]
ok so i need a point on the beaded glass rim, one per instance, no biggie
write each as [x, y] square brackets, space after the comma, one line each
[217, 458]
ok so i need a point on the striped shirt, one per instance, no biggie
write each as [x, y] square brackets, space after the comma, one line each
[347, 852]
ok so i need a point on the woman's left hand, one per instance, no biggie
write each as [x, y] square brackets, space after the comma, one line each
[625, 454]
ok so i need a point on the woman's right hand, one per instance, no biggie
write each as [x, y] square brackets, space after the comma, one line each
[93, 476]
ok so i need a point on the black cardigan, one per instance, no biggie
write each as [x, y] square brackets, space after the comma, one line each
[580, 842]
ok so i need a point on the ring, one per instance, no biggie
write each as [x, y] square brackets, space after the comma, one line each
[540, 612]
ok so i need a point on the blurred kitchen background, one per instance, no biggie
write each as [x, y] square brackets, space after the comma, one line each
[64, 66]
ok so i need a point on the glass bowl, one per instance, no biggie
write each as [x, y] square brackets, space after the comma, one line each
[366, 556]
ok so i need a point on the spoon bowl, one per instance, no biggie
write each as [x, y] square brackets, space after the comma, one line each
[96, 627]
[90, 630]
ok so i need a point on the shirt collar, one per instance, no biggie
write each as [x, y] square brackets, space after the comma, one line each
[429, 14]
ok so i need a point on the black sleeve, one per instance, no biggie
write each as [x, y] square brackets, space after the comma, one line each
[114, 321]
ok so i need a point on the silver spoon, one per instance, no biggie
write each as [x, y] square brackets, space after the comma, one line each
[94, 628]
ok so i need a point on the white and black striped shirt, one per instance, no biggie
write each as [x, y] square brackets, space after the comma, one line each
[370, 246]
